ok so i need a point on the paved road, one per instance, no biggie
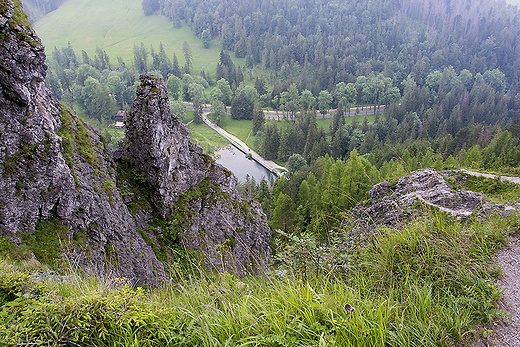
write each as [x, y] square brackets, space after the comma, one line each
[268, 164]
[330, 113]
[279, 115]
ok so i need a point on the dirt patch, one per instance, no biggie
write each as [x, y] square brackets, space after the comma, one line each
[506, 332]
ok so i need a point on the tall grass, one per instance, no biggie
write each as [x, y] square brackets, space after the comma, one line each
[430, 283]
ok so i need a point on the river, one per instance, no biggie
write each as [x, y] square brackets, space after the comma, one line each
[236, 161]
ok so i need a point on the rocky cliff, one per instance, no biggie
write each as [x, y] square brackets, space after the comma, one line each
[59, 183]
[55, 168]
[196, 196]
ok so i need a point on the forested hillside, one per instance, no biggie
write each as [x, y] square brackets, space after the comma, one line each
[368, 250]
[327, 42]
[454, 63]
[447, 73]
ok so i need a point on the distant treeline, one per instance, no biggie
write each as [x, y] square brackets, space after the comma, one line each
[444, 104]
[38, 8]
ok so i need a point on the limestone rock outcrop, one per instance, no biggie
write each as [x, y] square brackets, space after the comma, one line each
[421, 188]
[124, 210]
[56, 167]
[197, 196]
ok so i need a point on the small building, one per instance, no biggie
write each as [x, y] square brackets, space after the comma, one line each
[120, 116]
[119, 125]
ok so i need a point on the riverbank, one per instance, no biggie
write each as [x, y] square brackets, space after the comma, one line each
[274, 168]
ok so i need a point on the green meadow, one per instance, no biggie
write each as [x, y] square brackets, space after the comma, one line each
[115, 26]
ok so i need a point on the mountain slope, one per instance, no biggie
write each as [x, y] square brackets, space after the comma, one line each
[115, 26]
[62, 200]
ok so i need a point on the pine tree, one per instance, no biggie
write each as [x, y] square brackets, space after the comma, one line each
[197, 115]
[283, 213]
[356, 182]
[338, 121]
[258, 119]
[188, 56]
[176, 71]
[271, 141]
[282, 148]
[206, 38]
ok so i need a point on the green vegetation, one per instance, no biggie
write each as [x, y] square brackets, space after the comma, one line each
[85, 144]
[495, 189]
[19, 18]
[48, 242]
[180, 219]
[239, 128]
[133, 183]
[207, 138]
[115, 27]
[76, 138]
[428, 284]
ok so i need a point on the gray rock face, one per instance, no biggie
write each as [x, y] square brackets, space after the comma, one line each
[425, 187]
[55, 166]
[197, 196]
[429, 187]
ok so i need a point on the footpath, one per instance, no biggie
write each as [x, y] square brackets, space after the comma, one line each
[506, 332]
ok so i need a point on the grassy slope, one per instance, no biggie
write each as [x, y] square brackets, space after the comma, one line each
[115, 26]
[428, 284]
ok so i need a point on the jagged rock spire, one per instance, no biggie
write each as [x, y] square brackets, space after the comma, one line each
[190, 190]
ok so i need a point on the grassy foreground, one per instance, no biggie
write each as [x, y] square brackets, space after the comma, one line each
[429, 284]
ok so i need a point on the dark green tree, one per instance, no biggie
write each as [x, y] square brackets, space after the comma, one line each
[176, 70]
[150, 6]
[258, 119]
[206, 38]
[188, 56]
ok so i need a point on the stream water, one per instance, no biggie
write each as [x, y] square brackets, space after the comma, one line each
[236, 161]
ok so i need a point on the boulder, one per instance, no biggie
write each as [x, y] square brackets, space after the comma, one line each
[420, 189]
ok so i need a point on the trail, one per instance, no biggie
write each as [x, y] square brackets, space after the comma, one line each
[503, 178]
[506, 331]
